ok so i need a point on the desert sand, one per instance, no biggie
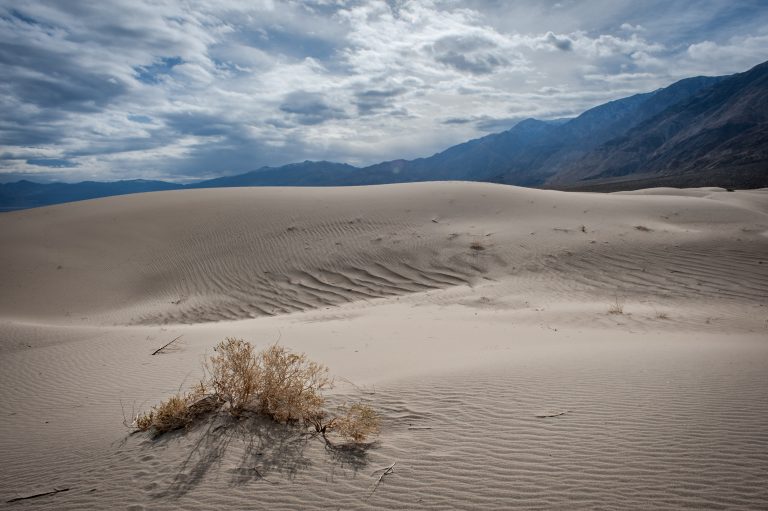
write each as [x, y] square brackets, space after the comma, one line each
[475, 317]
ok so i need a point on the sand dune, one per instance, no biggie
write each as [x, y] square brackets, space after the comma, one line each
[467, 313]
[211, 255]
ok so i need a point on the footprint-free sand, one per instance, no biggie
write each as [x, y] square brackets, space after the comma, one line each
[525, 348]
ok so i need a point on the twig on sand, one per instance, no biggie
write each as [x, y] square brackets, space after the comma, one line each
[27, 497]
[419, 427]
[384, 471]
[160, 349]
[546, 415]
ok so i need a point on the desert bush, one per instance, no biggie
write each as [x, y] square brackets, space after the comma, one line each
[616, 307]
[357, 423]
[290, 385]
[234, 374]
[285, 386]
[178, 411]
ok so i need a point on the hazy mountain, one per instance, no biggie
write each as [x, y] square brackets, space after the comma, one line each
[718, 136]
[26, 194]
[307, 173]
[701, 131]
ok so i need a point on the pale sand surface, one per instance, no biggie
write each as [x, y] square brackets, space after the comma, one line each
[461, 350]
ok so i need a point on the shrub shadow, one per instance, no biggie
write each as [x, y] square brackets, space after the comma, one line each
[256, 446]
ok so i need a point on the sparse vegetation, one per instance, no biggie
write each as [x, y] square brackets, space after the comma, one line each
[290, 385]
[357, 423]
[178, 411]
[234, 374]
[280, 384]
[643, 228]
[662, 315]
[617, 307]
[477, 246]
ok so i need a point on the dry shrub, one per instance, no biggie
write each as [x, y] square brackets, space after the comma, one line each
[290, 385]
[281, 384]
[477, 246]
[276, 382]
[234, 375]
[358, 422]
[616, 307]
[179, 411]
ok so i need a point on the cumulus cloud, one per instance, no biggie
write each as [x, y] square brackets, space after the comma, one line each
[122, 89]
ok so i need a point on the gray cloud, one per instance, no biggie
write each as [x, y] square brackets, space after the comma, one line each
[309, 108]
[472, 54]
[373, 100]
[561, 43]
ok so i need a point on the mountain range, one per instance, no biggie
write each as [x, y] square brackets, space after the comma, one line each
[702, 131]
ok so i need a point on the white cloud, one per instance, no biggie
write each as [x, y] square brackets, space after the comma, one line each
[737, 54]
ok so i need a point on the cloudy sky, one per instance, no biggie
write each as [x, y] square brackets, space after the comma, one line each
[185, 90]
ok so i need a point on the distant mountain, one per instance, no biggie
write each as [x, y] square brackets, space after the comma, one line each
[702, 131]
[718, 136]
[26, 194]
[308, 173]
[532, 151]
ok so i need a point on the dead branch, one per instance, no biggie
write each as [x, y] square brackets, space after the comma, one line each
[547, 415]
[27, 497]
[384, 471]
[158, 350]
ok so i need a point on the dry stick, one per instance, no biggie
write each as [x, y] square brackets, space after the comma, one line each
[384, 471]
[55, 490]
[158, 350]
[547, 415]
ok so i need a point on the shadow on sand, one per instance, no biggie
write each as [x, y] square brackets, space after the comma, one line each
[254, 447]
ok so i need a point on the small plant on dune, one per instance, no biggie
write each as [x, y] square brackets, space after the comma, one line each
[357, 423]
[290, 385]
[643, 228]
[280, 384]
[661, 315]
[178, 411]
[616, 307]
[234, 374]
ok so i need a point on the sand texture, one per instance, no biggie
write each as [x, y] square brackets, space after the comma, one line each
[526, 349]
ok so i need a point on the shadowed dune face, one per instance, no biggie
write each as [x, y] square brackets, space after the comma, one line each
[210, 255]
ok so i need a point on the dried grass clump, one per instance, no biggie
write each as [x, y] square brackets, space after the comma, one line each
[179, 411]
[285, 386]
[616, 307]
[358, 423]
[290, 385]
[234, 375]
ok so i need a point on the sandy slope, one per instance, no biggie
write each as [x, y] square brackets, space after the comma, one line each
[462, 311]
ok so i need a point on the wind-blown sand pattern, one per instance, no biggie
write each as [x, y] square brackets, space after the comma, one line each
[474, 317]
